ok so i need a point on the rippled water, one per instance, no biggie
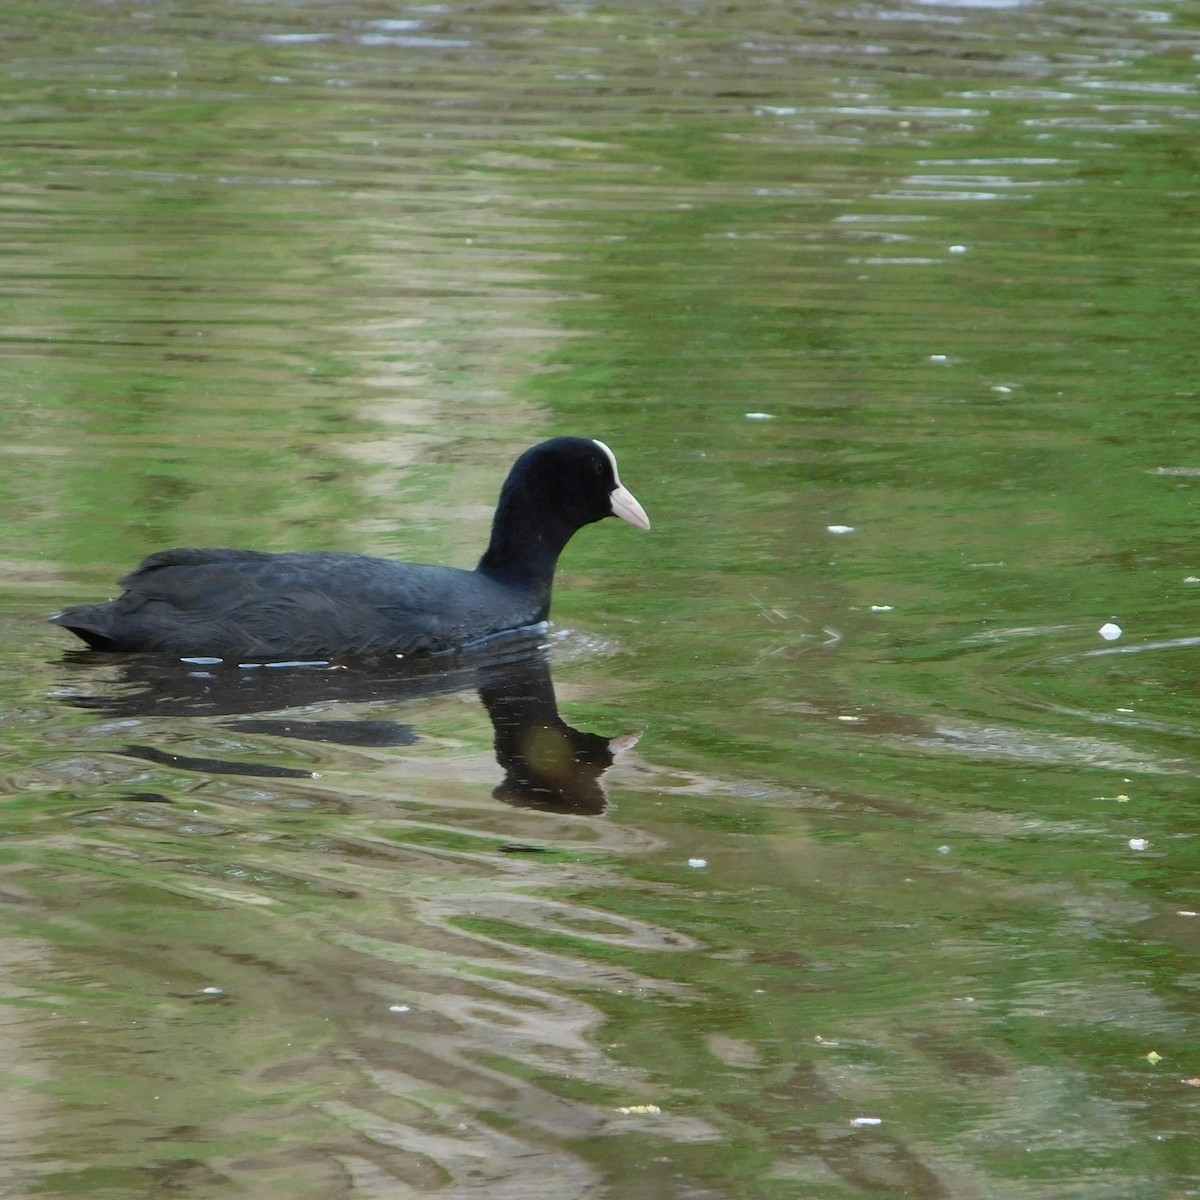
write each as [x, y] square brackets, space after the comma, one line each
[795, 862]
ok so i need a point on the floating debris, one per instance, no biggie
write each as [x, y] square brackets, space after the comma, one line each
[697, 862]
[399, 1008]
[760, 416]
[1153, 1057]
[1138, 844]
[1109, 631]
[957, 249]
[638, 1110]
[861, 1121]
[840, 528]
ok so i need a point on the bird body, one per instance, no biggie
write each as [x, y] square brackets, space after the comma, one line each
[247, 604]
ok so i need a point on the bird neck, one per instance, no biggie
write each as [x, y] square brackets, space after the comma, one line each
[524, 547]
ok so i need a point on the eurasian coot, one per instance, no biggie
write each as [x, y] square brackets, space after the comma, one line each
[244, 604]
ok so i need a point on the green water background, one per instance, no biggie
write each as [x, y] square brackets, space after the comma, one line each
[309, 276]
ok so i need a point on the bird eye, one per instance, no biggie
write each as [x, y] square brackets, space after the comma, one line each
[599, 467]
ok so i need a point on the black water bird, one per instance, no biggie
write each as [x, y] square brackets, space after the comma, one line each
[244, 604]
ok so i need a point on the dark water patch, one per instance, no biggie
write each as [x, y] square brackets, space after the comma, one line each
[214, 766]
[342, 733]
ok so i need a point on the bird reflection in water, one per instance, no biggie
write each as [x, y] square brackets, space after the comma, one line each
[547, 764]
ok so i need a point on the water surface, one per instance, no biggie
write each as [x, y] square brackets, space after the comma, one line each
[895, 893]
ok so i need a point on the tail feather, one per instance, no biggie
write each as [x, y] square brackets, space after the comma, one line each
[88, 622]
